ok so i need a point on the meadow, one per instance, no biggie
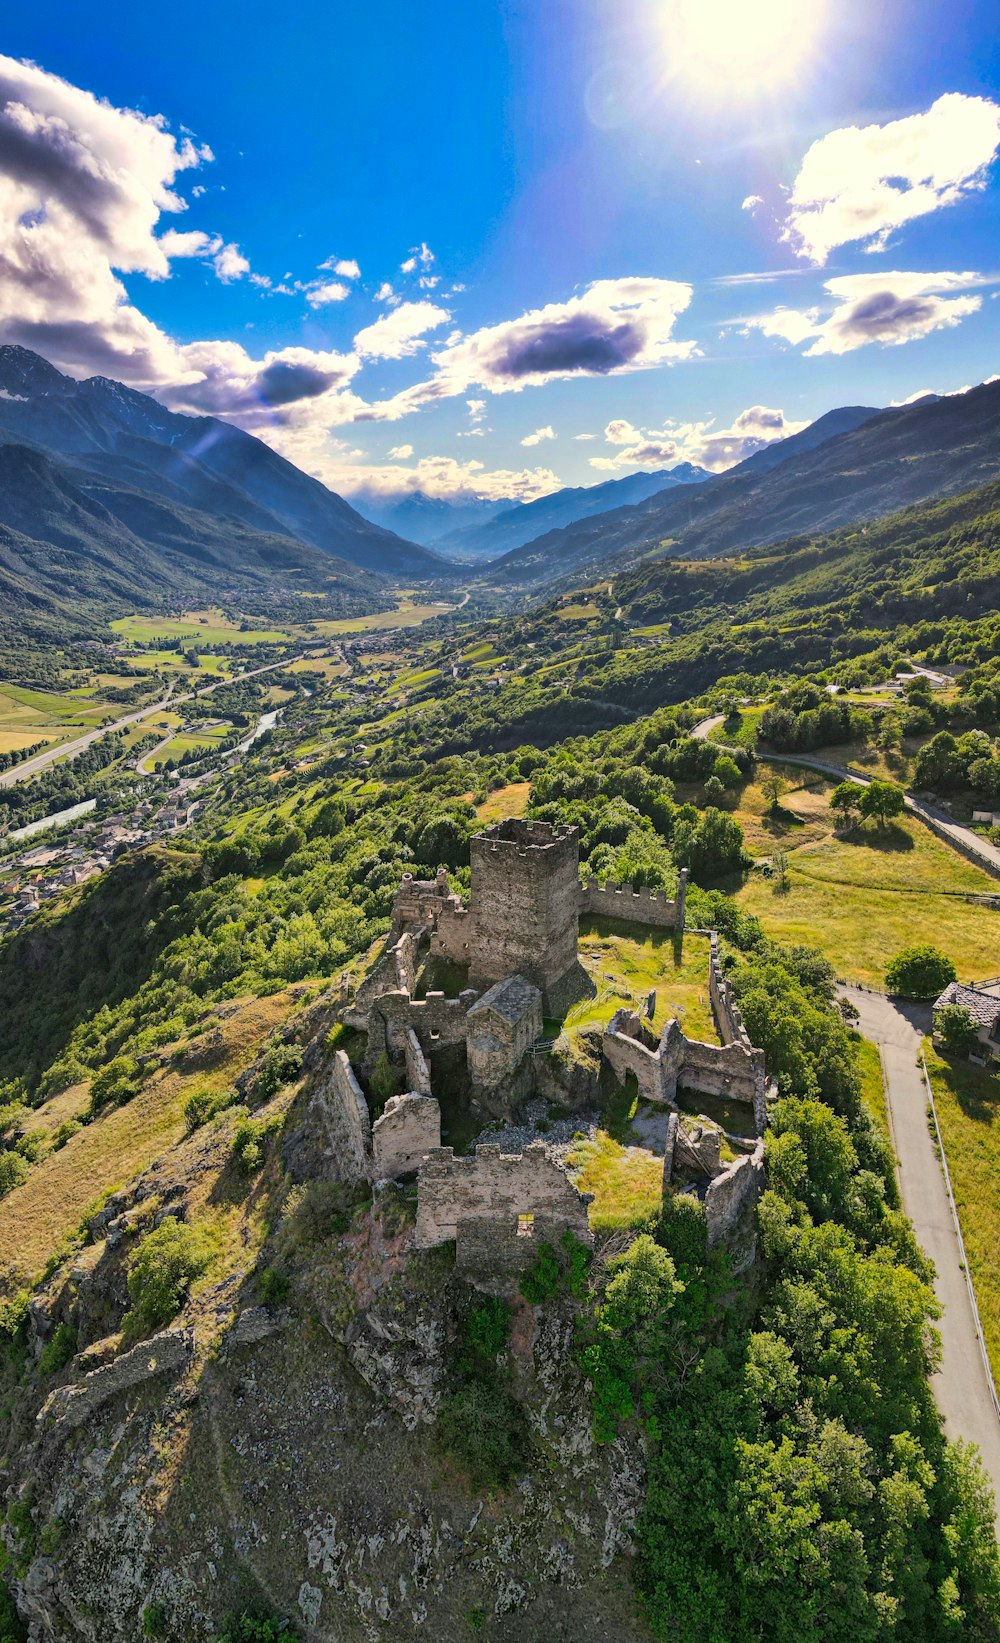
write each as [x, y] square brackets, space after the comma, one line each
[968, 1106]
[863, 896]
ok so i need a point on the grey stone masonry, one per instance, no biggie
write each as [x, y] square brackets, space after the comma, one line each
[636, 906]
[732, 1193]
[497, 1207]
[409, 1128]
[503, 1025]
[523, 913]
[734, 1071]
[166, 1354]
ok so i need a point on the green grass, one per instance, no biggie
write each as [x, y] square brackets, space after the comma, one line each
[968, 1105]
[210, 627]
[860, 899]
[627, 1182]
[407, 614]
[628, 963]
[872, 1085]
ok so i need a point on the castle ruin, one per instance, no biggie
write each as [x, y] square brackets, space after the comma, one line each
[515, 946]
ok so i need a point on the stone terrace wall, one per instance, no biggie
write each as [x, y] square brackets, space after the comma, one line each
[477, 1201]
[635, 906]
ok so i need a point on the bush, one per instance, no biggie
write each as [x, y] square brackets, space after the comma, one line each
[247, 1628]
[117, 1082]
[155, 1620]
[162, 1270]
[481, 1427]
[203, 1104]
[250, 1139]
[11, 1630]
[273, 1286]
[956, 1028]
[13, 1170]
[279, 1065]
[66, 1132]
[543, 1277]
[486, 1328]
[919, 972]
[58, 1352]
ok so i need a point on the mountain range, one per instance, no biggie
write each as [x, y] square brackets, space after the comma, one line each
[851, 465]
[105, 494]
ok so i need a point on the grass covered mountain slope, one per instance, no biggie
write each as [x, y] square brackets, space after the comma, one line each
[889, 460]
[104, 430]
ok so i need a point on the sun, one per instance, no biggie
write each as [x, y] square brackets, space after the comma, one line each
[740, 45]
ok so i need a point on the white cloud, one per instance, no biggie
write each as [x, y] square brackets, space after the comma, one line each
[230, 263]
[192, 242]
[345, 267]
[888, 308]
[584, 436]
[751, 202]
[698, 442]
[401, 331]
[538, 435]
[441, 477]
[420, 257]
[615, 326]
[862, 182]
[386, 294]
[477, 409]
[401, 453]
[318, 296]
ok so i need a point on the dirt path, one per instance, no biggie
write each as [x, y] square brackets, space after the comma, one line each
[962, 1385]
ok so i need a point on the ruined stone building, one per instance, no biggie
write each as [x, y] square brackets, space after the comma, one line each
[510, 957]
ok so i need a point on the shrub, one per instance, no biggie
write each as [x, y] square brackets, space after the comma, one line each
[162, 1270]
[682, 1229]
[250, 1139]
[66, 1132]
[919, 972]
[58, 1352]
[481, 1427]
[11, 1630]
[279, 1065]
[203, 1104]
[956, 1028]
[247, 1628]
[13, 1170]
[117, 1082]
[578, 1258]
[486, 1327]
[155, 1620]
[384, 1080]
[542, 1279]
[273, 1286]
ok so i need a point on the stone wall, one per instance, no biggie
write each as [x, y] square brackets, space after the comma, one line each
[434, 1019]
[166, 1354]
[420, 902]
[731, 1029]
[418, 1074]
[635, 906]
[409, 1128]
[479, 1201]
[523, 914]
[337, 1102]
[731, 1194]
[734, 1071]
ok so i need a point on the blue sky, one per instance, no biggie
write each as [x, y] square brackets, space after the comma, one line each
[603, 167]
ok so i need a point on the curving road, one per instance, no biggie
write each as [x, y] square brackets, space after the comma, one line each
[961, 1386]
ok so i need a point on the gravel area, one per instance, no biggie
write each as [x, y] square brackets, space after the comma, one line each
[534, 1123]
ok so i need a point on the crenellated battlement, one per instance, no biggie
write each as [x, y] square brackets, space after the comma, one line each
[635, 904]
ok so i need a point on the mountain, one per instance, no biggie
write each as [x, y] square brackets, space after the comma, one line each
[528, 520]
[425, 519]
[886, 461]
[107, 431]
[842, 421]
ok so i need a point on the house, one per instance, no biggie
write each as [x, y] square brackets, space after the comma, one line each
[984, 1009]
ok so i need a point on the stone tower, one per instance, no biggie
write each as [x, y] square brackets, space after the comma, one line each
[525, 906]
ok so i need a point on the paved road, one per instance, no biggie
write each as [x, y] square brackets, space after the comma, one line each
[963, 838]
[66, 750]
[704, 726]
[961, 1386]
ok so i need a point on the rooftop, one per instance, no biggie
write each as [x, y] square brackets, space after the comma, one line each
[983, 1007]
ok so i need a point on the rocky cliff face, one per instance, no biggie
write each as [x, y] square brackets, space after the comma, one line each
[286, 1458]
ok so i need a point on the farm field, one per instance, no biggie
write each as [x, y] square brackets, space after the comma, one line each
[968, 1105]
[407, 614]
[209, 626]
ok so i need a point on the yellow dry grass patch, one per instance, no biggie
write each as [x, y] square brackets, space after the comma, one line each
[627, 1182]
[37, 1217]
[506, 801]
[627, 964]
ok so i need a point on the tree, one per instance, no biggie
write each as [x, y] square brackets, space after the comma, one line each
[779, 869]
[882, 800]
[728, 772]
[846, 801]
[919, 972]
[955, 1026]
[772, 788]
